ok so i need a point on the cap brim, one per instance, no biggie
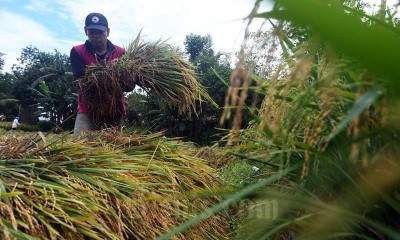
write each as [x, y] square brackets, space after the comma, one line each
[98, 27]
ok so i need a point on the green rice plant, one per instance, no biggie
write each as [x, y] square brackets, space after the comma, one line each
[155, 66]
[103, 185]
[328, 129]
[329, 113]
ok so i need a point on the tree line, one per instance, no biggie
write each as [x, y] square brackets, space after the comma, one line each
[41, 85]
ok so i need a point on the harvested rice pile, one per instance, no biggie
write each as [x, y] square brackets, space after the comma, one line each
[103, 186]
[156, 67]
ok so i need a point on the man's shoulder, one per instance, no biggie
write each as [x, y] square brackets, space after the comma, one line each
[75, 50]
[115, 46]
[79, 46]
[119, 49]
[118, 46]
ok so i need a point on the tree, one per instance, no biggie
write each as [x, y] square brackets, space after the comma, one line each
[55, 91]
[8, 105]
[196, 45]
[208, 65]
[44, 86]
[1, 61]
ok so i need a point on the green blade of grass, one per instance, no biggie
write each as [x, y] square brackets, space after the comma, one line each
[359, 106]
[230, 200]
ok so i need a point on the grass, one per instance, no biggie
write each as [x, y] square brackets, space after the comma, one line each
[239, 174]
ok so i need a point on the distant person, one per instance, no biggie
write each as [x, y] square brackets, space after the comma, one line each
[15, 123]
[96, 49]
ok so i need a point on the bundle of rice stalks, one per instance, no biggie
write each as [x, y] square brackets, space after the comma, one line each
[103, 186]
[156, 67]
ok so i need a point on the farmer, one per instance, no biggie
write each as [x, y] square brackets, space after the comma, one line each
[96, 49]
[15, 123]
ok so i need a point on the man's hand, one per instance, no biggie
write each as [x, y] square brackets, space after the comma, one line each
[128, 85]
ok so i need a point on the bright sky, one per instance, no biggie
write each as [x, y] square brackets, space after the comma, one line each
[58, 24]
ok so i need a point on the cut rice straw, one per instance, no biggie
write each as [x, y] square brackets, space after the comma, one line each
[156, 67]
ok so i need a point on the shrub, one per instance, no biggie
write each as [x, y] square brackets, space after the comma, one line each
[45, 126]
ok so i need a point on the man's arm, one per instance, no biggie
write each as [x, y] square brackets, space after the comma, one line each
[77, 64]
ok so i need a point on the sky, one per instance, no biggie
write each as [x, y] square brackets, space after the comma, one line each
[58, 24]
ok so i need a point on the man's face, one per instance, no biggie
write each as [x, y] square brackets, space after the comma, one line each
[97, 37]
